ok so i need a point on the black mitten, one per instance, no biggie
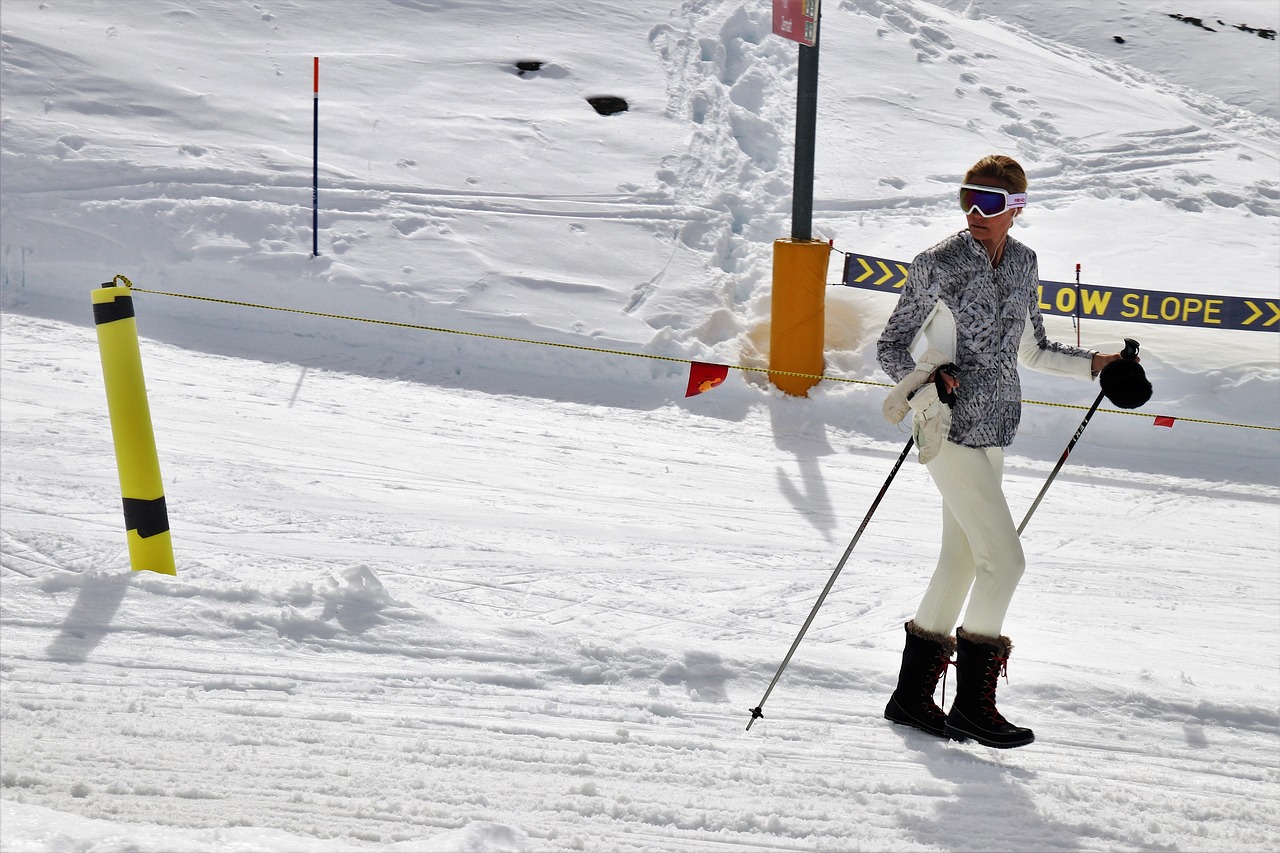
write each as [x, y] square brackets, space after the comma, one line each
[1124, 382]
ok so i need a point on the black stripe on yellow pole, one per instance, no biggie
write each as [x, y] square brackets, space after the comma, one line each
[146, 518]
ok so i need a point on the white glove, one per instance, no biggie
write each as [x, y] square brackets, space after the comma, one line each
[932, 421]
[896, 404]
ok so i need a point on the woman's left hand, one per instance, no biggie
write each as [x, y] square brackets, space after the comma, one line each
[1100, 361]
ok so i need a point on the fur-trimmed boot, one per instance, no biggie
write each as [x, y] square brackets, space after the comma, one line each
[979, 663]
[924, 661]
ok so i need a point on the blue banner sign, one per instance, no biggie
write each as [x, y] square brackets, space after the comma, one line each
[1123, 304]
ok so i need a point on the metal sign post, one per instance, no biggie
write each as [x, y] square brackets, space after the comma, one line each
[798, 20]
[800, 262]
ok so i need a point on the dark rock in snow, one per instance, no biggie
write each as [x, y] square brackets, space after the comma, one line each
[607, 105]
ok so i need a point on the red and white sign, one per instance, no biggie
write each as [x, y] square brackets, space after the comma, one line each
[796, 20]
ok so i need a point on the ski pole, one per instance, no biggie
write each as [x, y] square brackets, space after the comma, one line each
[757, 712]
[1130, 352]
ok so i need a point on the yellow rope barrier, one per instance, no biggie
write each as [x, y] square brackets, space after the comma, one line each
[668, 358]
[488, 336]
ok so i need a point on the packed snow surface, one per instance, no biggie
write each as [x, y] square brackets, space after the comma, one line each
[510, 589]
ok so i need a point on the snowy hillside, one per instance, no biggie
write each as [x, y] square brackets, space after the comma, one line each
[464, 592]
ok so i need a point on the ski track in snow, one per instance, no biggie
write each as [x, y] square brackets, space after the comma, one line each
[437, 593]
[372, 653]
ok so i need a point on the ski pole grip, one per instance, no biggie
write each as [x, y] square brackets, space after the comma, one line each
[1130, 349]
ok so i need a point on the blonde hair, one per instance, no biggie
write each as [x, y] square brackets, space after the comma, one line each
[1000, 171]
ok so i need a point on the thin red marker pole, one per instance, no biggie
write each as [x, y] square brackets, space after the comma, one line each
[1079, 319]
[315, 164]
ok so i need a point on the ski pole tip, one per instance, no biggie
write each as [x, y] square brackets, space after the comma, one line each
[756, 713]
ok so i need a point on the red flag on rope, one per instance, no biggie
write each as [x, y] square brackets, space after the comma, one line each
[1164, 420]
[703, 377]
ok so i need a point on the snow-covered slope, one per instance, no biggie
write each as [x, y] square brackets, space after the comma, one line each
[443, 592]
[1221, 55]
[174, 146]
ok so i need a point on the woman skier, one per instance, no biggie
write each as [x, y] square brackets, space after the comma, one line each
[974, 298]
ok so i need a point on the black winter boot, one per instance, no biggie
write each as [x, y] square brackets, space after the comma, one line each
[979, 663]
[924, 660]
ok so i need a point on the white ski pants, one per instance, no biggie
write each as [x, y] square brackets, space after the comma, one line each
[981, 556]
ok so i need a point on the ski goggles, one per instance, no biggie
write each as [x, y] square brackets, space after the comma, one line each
[989, 201]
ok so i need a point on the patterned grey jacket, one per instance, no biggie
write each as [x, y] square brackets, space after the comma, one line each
[990, 308]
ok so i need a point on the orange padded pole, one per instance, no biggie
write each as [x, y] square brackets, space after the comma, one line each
[797, 313]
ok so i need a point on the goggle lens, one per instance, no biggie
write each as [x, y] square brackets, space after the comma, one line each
[989, 201]
[988, 204]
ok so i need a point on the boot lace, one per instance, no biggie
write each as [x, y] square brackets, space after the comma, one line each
[940, 673]
[999, 666]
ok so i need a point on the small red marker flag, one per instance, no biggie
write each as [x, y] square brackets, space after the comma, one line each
[1164, 420]
[703, 377]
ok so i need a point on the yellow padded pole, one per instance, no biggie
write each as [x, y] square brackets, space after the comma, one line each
[145, 514]
[797, 313]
